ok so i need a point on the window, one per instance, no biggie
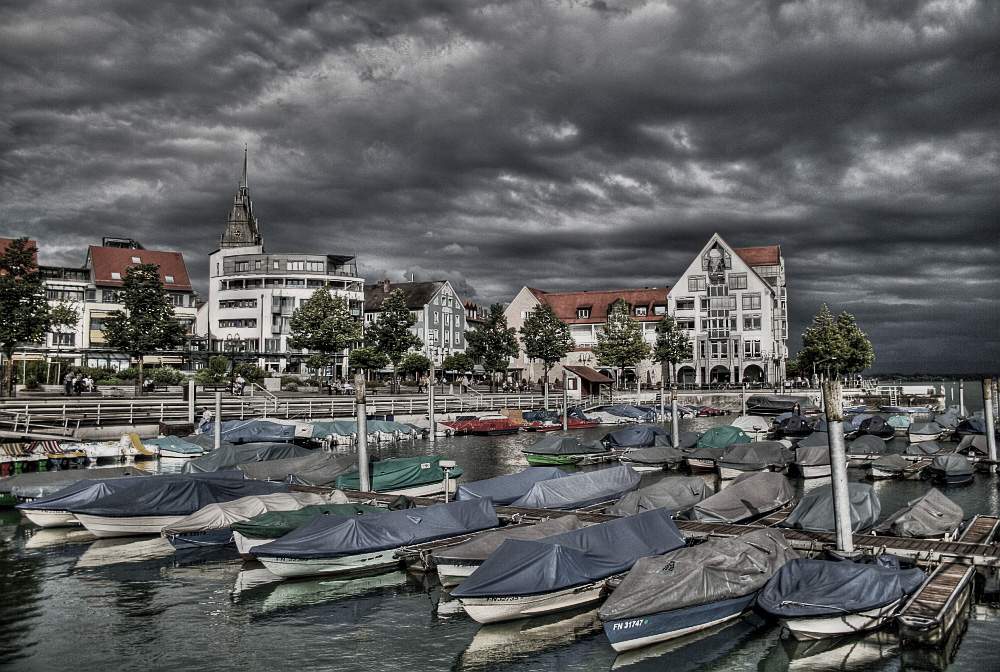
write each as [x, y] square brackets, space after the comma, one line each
[583, 313]
[696, 283]
[275, 265]
[317, 266]
[257, 264]
[524, 314]
[457, 339]
[63, 339]
[738, 281]
[685, 304]
[447, 319]
[437, 317]
[751, 349]
[111, 296]
[238, 303]
[237, 324]
[640, 311]
[685, 324]
[136, 260]
[295, 265]
[169, 279]
[751, 323]
[274, 282]
[703, 349]
[176, 299]
[292, 282]
[272, 345]
[242, 266]
[659, 310]
[720, 349]
[751, 302]
[115, 275]
[64, 294]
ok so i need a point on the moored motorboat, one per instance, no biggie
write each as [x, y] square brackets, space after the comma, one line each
[815, 599]
[691, 588]
[748, 497]
[900, 423]
[813, 461]
[742, 458]
[876, 426]
[23, 488]
[655, 458]
[530, 578]
[173, 447]
[951, 469]
[420, 476]
[230, 456]
[558, 449]
[636, 436]
[864, 449]
[582, 489]
[503, 490]
[267, 527]
[892, 465]
[332, 546]
[930, 516]
[793, 427]
[319, 468]
[754, 426]
[701, 460]
[925, 431]
[455, 563]
[815, 511]
[53, 510]
[769, 404]
[675, 493]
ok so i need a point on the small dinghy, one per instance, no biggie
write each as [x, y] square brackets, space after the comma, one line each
[925, 431]
[757, 456]
[656, 458]
[699, 460]
[334, 546]
[815, 512]
[815, 599]
[793, 427]
[530, 578]
[951, 469]
[319, 468]
[458, 562]
[932, 516]
[419, 476]
[580, 490]
[151, 504]
[172, 447]
[748, 497]
[876, 426]
[211, 525]
[505, 489]
[676, 493]
[230, 456]
[754, 426]
[888, 466]
[692, 588]
[637, 436]
[267, 527]
[813, 461]
[555, 449]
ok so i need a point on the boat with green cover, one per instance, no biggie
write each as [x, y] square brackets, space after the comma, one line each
[556, 449]
[419, 476]
[269, 526]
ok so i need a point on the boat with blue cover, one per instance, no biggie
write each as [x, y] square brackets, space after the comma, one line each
[503, 490]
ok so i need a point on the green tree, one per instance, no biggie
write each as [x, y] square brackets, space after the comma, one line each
[22, 304]
[493, 343]
[368, 359]
[390, 332]
[64, 315]
[672, 346]
[414, 362]
[215, 373]
[823, 344]
[323, 324]
[859, 354]
[547, 338]
[147, 323]
[620, 344]
[459, 362]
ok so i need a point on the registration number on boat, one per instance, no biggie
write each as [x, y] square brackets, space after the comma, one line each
[626, 625]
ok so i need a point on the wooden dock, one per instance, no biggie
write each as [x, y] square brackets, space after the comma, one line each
[933, 610]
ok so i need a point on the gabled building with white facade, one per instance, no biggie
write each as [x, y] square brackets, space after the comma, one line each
[439, 311]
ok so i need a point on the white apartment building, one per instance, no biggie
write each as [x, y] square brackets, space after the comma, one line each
[253, 293]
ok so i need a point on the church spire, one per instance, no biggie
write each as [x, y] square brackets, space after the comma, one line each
[241, 227]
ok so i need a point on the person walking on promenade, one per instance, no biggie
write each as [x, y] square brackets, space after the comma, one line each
[68, 384]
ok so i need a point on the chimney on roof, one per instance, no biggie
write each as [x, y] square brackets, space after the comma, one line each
[385, 285]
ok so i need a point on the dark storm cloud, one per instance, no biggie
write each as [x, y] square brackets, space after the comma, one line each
[561, 145]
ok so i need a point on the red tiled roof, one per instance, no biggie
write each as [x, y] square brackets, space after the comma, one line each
[564, 304]
[4, 242]
[589, 374]
[769, 255]
[108, 260]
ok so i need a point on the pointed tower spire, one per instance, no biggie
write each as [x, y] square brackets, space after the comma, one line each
[243, 180]
[241, 227]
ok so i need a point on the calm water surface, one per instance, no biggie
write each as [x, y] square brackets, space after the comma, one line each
[68, 602]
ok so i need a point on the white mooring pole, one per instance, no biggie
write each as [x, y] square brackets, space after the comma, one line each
[565, 413]
[833, 402]
[675, 425]
[191, 401]
[430, 402]
[743, 398]
[663, 399]
[961, 398]
[991, 437]
[362, 422]
[218, 420]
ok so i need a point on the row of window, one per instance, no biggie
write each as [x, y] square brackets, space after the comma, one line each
[238, 303]
[699, 283]
[720, 349]
[238, 324]
[167, 279]
[749, 301]
[258, 283]
[299, 265]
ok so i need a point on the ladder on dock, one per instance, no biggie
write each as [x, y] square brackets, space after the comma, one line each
[934, 609]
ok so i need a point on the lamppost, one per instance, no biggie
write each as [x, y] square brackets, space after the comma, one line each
[822, 361]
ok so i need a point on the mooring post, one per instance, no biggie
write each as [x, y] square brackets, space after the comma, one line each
[743, 398]
[362, 422]
[961, 398]
[218, 420]
[663, 398]
[545, 392]
[675, 425]
[991, 437]
[833, 402]
[191, 401]
[565, 404]
[430, 403]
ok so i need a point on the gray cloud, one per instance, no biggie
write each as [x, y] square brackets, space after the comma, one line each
[557, 144]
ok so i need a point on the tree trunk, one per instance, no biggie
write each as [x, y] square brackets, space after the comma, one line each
[139, 391]
[394, 386]
[546, 389]
[8, 373]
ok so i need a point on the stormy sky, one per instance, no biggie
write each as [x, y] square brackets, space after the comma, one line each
[562, 145]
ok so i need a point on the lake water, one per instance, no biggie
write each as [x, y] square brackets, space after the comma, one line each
[68, 602]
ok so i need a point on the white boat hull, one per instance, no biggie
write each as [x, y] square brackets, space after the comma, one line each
[877, 474]
[727, 474]
[839, 625]
[695, 464]
[172, 455]
[125, 526]
[636, 466]
[244, 544]
[428, 490]
[348, 564]
[920, 438]
[50, 518]
[814, 470]
[496, 609]
[640, 642]
[452, 575]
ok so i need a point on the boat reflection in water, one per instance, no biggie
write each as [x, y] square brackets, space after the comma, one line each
[124, 550]
[859, 652]
[49, 537]
[498, 643]
[697, 651]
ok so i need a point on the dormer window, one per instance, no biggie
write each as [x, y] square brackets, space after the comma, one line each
[640, 311]
[583, 312]
[169, 279]
[136, 260]
[115, 275]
